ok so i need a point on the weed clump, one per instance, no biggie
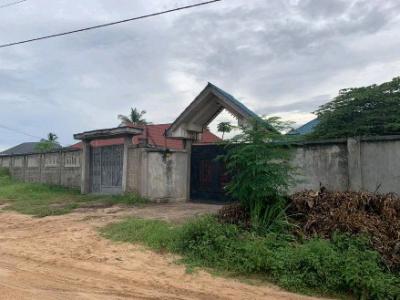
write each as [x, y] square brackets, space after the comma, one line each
[342, 264]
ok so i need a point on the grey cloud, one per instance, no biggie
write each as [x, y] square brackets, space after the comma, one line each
[276, 56]
[323, 8]
[306, 106]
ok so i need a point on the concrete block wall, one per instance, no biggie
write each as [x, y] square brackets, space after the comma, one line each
[57, 168]
[323, 164]
[380, 165]
[156, 174]
[33, 168]
[358, 164]
[71, 169]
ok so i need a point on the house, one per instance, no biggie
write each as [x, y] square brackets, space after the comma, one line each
[305, 129]
[153, 136]
[24, 148]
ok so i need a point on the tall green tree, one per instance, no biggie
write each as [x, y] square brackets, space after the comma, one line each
[224, 127]
[48, 144]
[135, 117]
[371, 110]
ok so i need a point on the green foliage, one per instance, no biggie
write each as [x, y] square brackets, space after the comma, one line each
[135, 118]
[4, 173]
[48, 144]
[44, 146]
[224, 127]
[259, 169]
[52, 137]
[278, 124]
[153, 233]
[44, 200]
[371, 110]
[344, 265]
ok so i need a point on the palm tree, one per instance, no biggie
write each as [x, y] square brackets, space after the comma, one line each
[224, 127]
[48, 144]
[52, 137]
[135, 118]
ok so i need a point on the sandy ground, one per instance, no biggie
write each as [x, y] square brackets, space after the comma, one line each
[64, 257]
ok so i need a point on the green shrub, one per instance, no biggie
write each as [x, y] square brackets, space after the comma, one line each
[260, 171]
[343, 265]
[326, 266]
[205, 241]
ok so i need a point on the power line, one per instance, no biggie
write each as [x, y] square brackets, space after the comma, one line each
[109, 24]
[18, 131]
[12, 3]
[23, 133]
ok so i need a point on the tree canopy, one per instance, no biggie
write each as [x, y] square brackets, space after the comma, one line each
[135, 117]
[48, 144]
[224, 127]
[371, 110]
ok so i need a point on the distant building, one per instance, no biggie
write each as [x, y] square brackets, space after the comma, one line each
[24, 148]
[305, 129]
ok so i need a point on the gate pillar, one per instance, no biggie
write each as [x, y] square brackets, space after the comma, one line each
[127, 143]
[85, 167]
[188, 148]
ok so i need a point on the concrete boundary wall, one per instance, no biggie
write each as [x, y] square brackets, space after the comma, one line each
[157, 174]
[358, 164]
[153, 173]
[57, 167]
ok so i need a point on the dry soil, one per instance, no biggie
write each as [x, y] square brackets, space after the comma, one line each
[64, 257]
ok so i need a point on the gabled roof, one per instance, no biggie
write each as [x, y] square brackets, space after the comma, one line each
[155, 137]
[24, 148]
[306, 128]
[235, 101]
[203, 109]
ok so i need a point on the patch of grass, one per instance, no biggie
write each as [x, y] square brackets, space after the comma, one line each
[343, 265]
[44, 200]
[156, 234]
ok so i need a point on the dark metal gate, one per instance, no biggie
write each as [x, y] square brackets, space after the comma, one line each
[106, 169]
[208, 177]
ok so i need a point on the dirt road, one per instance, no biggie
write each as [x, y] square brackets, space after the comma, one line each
[64, 258]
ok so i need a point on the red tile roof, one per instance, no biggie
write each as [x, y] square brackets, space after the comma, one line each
[155, 137]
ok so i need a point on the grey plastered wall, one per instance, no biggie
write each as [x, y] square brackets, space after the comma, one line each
[358, 164]
[321, 164]
[134, 169]
[156, 174]
[380, 161]
[367, 164]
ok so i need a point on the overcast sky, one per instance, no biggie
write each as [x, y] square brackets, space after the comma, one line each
[280, 57]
